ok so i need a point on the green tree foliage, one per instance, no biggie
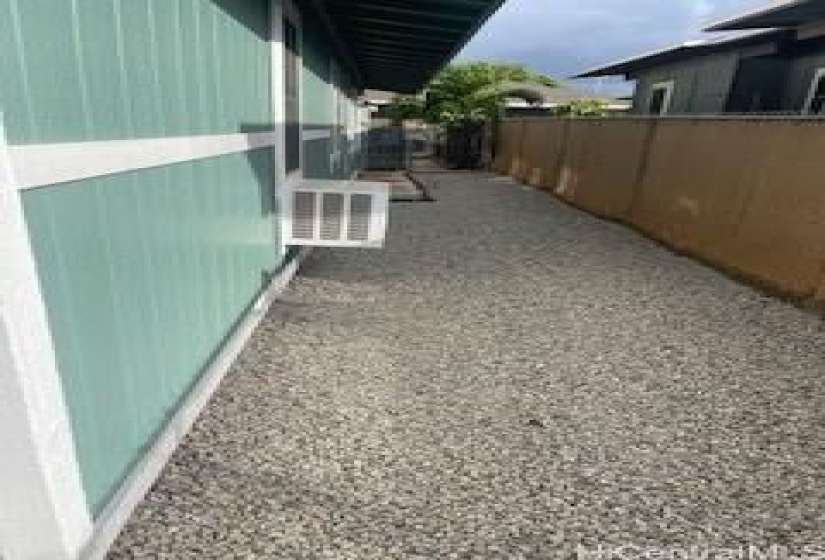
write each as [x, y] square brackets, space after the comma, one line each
[469, 92]
[584, 108]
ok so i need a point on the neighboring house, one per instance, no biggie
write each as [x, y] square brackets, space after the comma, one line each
[377, 102]
[776, 64]
[539, 99]
[145, 146]
[526, 99]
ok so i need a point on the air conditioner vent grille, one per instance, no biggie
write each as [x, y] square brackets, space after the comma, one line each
[303, 215]
[336, 214]
[332, 216]
[359, 217]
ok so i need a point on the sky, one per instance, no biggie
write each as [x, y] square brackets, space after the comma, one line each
[564, 37]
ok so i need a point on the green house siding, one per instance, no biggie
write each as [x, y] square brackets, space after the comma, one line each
[321, 86]
[318, 107]
[145, 274]
[78, 70]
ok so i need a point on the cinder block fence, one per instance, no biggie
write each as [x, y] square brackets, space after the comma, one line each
[744, 194]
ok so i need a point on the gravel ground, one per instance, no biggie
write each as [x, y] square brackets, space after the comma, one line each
[509, 379]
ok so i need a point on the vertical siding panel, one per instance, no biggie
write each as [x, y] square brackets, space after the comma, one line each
[98, 42]
[119, 228]
[207, 60]
[224, 62]
[265, 69]
[188, 57]
[113, 401]
[52, 70]
[191, 313]
[162, 282]
[241, 175]
[81, 71]
[202, 205]
[228, 240]
[138, 68]
[251, 109]
[149, 228]
[154, 62]
[166, 38]
[15, 90]
[57, 283]
[171, 271]
[230, 86]
[123, 73]
[197, 61]
[212, 234]
[181, 71]
[222, 123]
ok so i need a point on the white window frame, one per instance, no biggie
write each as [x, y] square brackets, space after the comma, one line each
[668, 88]
[335, 136]
[286, 10]
[809, 99]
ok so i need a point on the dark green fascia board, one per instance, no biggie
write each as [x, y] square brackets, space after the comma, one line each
[408, 82]
[494, 6]
[414, 85]
[404, 36]
[340, 45]
[355, 22]
[382, 50]
[382, 46]
[355, 7]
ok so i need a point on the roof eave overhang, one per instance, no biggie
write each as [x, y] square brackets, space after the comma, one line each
[630, 67]
[494, 7]
[785, 15]
[398, 45]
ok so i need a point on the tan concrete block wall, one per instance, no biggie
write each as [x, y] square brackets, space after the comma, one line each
[601, 165]
[781, 234]
[746, 195]
[509, 147]
[542, 149]
[696, 183]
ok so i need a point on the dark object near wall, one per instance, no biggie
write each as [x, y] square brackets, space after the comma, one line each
[386, 149]
[466, 146]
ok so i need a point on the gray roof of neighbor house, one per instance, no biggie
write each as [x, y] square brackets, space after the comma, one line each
[398, 45]
[565, 94]
[684, 51]
[551, 95]
[787, 14]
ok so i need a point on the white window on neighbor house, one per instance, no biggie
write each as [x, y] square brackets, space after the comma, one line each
[660, 98]
[815, 102]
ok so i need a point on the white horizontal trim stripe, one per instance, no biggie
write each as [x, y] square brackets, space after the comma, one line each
[316, 135]
[39, 165]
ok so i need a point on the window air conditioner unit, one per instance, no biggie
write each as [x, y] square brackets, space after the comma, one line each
[323, 213]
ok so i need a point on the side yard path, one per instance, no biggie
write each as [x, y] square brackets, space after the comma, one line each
[509, 379]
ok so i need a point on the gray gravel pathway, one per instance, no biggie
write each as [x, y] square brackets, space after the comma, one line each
[509, 379]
